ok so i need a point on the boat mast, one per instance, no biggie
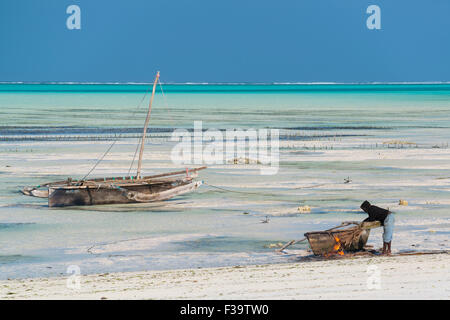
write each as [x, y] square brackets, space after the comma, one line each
[141, 152]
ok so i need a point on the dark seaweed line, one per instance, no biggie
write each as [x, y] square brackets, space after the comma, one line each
[63, 130]
[72, 138]
[117, 131]
[136, 136]
[73, 130]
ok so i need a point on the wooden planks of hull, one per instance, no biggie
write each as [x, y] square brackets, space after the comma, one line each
[91, 195]
[42, 191]
[351, 239]
[323, 242]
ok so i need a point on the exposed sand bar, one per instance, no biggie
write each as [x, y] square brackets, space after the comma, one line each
[401, 277]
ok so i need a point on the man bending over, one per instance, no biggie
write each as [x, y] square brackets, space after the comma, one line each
[386, 219]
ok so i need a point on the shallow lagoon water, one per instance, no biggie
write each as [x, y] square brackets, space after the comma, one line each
[327, 135]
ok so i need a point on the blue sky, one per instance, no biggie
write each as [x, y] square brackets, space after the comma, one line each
[225, 41]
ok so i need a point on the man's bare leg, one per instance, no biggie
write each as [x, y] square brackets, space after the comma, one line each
[385, 246]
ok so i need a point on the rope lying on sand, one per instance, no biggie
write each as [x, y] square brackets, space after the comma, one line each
[262, 193]
[89, 250]
[313, 186]
[235, 191]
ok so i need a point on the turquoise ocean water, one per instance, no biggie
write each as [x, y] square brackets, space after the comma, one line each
[391, 140]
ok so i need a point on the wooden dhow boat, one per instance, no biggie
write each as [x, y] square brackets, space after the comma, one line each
[119, 190]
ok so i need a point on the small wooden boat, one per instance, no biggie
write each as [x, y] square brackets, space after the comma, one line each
[337, 240]
[119, 190]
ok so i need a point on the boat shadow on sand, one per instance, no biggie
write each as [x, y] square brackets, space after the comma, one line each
[160, 206]
[172, 205]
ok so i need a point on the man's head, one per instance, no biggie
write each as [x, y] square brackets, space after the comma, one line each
[365, 205]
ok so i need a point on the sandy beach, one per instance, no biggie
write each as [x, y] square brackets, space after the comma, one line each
[396, 277]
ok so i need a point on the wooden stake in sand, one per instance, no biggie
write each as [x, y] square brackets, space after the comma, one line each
[290, 243]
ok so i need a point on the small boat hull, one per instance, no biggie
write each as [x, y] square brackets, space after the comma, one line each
[350, 239]
[323, 242]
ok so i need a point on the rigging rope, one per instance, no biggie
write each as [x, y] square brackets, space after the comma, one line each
[164, 98]
[139, 142]
[134, 156]
[98, 161]
[117, 139]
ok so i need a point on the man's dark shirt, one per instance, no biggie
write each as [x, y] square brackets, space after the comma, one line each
[377, 214]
